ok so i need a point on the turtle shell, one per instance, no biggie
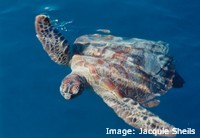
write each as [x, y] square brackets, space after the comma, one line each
[141, 69]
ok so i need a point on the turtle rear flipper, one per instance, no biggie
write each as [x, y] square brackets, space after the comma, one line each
[137, 116]
[52, 41]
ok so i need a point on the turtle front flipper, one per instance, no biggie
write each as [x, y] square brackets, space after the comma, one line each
[72, 85]
[137, 116]
[52, 41]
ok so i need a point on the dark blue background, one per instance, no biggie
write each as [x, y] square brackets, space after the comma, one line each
[30, 103]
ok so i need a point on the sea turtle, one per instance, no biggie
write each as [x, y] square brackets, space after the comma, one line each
[127, 73]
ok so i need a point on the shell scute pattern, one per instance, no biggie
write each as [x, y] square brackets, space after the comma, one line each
[142, 65]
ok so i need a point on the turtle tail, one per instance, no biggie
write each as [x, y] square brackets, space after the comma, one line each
[178, 81]
[52, 41]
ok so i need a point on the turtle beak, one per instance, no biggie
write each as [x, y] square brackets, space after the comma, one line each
[64, 90]
[68, 90]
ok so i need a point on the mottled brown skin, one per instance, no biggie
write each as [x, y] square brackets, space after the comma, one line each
[126, 73]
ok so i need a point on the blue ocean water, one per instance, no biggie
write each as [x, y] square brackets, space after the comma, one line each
[30, 103]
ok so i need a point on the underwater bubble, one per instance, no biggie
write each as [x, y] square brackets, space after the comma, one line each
[50, 8]
[107, 31]
[47, 9]
[62, 25]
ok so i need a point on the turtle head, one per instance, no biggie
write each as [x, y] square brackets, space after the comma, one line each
[71, 86]
[52, 40]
